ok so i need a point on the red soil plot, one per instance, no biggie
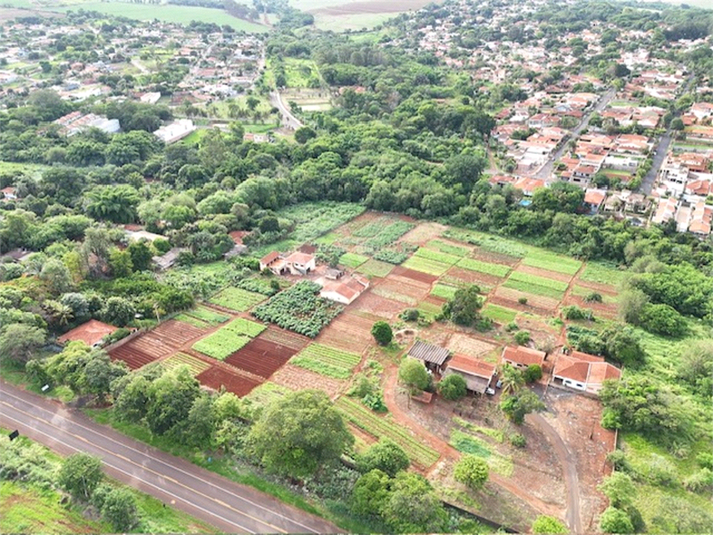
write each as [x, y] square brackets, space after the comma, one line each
[471, 277]
[418, 276]
[261, 357]
[133, 357]
[373, 304]
[216, 377]
[350, 332]
[494, 258]
[176, 333]
[607, 310]
[283, 337]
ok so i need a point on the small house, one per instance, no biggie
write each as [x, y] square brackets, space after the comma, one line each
[274, 262]
[344, 291]
[168, 259]
[301, 263]
[583, 372]
[91, 333]
[521, 357]
[433, 357]
[477, 373]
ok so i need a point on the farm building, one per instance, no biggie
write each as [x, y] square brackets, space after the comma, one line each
[344, 291]
[91, 333]
[522, 357]
[296, 264]
[432, 356]
[167, 260]
[583, 372]
[477, 373]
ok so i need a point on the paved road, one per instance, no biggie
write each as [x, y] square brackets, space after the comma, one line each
[661, 148]
[546, 170]
[288, 120]
[569, 468]
[230, 507]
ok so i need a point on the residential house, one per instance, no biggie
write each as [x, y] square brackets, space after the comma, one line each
[666, 210]
[433, 357]
[274, 262]
[593, 200]
[91, 333]
[583, 372]
[521, 357]
[9, 193]
[477, 373]
[344, 290]
[300, 263]
[168, 259]
[175, 131]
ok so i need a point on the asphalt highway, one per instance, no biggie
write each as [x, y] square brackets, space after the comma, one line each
[229, 506]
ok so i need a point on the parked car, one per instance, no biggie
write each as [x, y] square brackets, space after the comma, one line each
[499, 384]
[490, 391]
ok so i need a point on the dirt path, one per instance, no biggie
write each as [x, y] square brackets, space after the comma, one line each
[449, 452]
[569, 469]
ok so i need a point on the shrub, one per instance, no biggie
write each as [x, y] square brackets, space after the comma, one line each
[386, 456]
[615, 520]
[522, 337]
[410, 314]
[593, 297]
[512, 326]
[472, 471]
[705, 460]
[532, 373]
[573, 312]
[548, 524]
[522, 300]
[663, 319]
[452, 387]
[518, 440]
[700, 481]
[413, 374]
[382, 333]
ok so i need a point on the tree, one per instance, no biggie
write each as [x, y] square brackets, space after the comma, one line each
[80, 474]
[413, 374]
[512, 379]
[385, 456]
[304, 134]
[516, 407]
[663, 319]
[19, 341]
[463, 308]
[100, 372]
[113, 203]
[56, 276]
[452, 387]
[615, 520]
[118, 311]
[370, 493]
[299, 434]
[472, 471]
[546, 525]
[620, 490]
[119, 509]
[522, 338]
[141, 255]
[170, 399]
[413, 506]
[120, 263]
[631, 304]
[677, 124]
[381, 331]
[532, 373]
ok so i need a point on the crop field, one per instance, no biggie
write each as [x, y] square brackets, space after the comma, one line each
[468, 443]
[375, 268]
[389, 292]
[371, 235]
[315, 219]
[462, 277]
[221, 344]
[426, 265]
[496, 270]
[181, 359]
[443, 291]
[266, 393]
[508, 297]
[237, 299]
[499, 314]
[582, 291]
[448, 248]
[296, 378]
[216, 377]
[411, 289]
[327, 361]
[536, 285]
[299, 309]
[352, 330]
[469, 345]
[377, 305]
[380, 427]
[544, 273]
[551, 261]
[261, 357]
[352, 260]
[258, 285]
[602, 274]
[282, 337]
[438, 256]
[487, 242]
[429, 309]
[190, 320]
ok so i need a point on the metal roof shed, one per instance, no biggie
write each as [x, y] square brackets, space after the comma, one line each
[432, 356]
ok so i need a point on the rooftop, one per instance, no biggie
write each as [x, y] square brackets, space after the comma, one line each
[91, 332]
[429, 353]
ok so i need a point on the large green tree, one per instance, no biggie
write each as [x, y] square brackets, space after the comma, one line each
[80, 474]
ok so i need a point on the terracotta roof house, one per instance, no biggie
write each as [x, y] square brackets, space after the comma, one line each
[583, 372]
[477, 373]
[274, 262]
[432, 356]
[300, 263]
[522, 357]
[344, 290]
[91, 333]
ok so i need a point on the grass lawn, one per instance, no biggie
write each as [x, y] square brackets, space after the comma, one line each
[500, 314]
[553, 262]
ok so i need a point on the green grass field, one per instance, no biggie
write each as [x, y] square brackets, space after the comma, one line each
[497, 270]
[167, 13]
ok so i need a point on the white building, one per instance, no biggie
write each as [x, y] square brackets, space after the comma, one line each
[175, 131]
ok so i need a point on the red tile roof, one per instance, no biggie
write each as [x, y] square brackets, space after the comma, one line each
[471, 366]
[91, 332]
[269, 258]
[524, 355]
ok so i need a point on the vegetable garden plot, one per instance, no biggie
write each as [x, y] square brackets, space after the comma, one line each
[602, 274]
[418, 276]
[190, 320]
[207, 315]
[374, 304]
[542, 259]
[351, 331]
[314, 219]
[228, 339]
[438, 256]
[496, 270]
[511, 297]
[282, 337]
[261, 357]
[296, 378]
[460, 276]
[326, 360]
[500, 314]
[444, 291]
[539, 272]
[134, 358]
[196, 365]
[352, 260]
[217, 377]
[299, 309]
[468, 345]
[237, 299]
[380, 427]
[375, 268]
[449, 248]
[173, 334]
[426, 265]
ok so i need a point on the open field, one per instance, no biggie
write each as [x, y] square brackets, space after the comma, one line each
[497, 270]
[194, 364]
[297, 378]
[327, 361]
[218, 377]
[167, 13]
[237, 299]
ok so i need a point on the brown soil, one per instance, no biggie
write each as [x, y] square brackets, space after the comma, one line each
[601, 288]
[296, 378]
[494, 258]
[217, 377]
[379, 306]
[563, 277]
[424, 232]
[472, 277]
[350, 332]
[413, 275]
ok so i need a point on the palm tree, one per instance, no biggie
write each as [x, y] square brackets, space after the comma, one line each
[511, 379]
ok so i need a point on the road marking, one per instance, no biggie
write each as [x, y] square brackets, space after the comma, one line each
[259, 521]
[197, 477]
[191, 504]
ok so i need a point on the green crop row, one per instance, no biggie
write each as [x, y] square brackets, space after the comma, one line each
[245, 327]
[497, 270]
[221, 344]
[426, 265]
[181, 359]
[437, 256]
[552, 262]
[209, 316]
[237, 299]
[448, 248]
[352, 260]
[534, 289]
[539, 281]
[380, 428]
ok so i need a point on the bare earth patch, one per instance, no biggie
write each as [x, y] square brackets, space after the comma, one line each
[563, 277]
[469, 345]
[424, 232]
[296, 378]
